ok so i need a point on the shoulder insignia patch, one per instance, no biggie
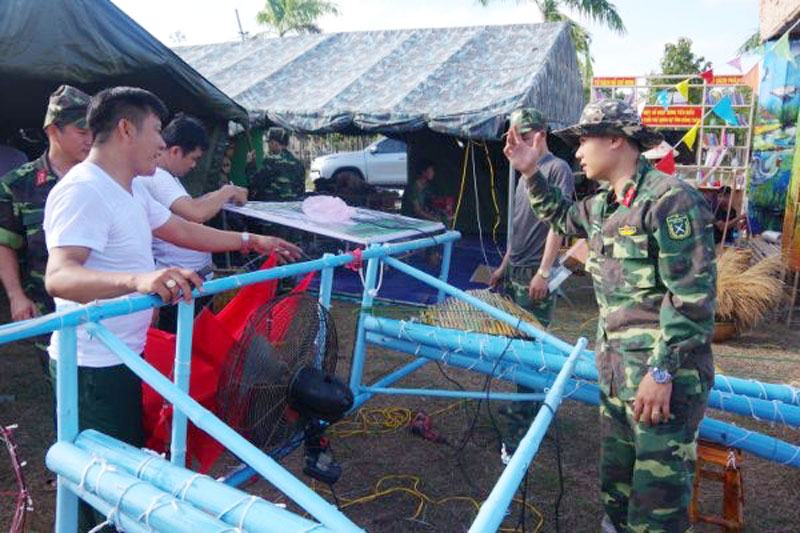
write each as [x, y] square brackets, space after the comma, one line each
[679, 227]
[628, 230]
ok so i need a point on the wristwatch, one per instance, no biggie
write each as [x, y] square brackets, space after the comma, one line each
[662, 377]
[544, 273]
[245, 241]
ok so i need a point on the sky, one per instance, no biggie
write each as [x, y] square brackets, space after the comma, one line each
[716, 27]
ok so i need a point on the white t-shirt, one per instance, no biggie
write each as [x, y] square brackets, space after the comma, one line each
[165, 189]
[88, 208]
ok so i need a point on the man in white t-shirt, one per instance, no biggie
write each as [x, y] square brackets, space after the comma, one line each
[99, 223]
[186, 139]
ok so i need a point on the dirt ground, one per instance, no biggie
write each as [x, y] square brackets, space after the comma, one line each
[423, 486]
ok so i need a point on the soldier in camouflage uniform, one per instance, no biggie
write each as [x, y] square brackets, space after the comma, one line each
[282, 177]
[652, 259]
[529, 260]
[23, 192]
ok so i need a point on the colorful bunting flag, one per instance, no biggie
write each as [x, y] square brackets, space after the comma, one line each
[663, 98]
[783, 49]
[751, 79]
[708, 75]
[736, 63]
[724, 110]
[599, 95]
[690, 136]
[683, 88]
[667, 163]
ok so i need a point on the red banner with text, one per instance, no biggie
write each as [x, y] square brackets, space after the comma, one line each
[675, 115]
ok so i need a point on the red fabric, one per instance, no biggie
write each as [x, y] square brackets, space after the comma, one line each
[667, 164]
[212, 340]
[708, 75]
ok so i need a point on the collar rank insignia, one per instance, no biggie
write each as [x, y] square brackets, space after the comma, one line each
[41, 177]
[679, 227]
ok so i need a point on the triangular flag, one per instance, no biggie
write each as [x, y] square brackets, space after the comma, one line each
[683, 88]
[783, 49]
[724, 110]
[599, 95]
[690, 136]
[708, 75]
[663, 98]
[667, 163]
[736, 63]
[751, 78]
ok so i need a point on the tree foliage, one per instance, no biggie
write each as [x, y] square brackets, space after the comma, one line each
[299, 16]
[600, 11]
[679, 59]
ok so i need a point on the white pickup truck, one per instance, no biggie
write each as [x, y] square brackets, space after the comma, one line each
[382, 164]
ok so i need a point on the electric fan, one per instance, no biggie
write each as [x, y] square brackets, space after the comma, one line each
[278, 386]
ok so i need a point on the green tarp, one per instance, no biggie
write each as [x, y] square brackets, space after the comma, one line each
[92, 44]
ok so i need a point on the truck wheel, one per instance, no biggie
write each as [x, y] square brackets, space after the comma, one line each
[349, 180]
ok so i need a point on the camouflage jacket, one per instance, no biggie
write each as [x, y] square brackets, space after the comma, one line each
[23, 192]
[281, 177]
[652, 259]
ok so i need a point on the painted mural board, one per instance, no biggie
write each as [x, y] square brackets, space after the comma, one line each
[774, 135]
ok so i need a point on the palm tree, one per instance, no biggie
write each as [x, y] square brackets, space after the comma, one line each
[299, 16]
[601, 11]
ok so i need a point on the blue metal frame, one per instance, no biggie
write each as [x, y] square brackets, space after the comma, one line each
[531, 363]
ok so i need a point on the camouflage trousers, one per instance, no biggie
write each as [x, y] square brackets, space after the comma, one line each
[646, 471]
[518, 416]
[520, 280]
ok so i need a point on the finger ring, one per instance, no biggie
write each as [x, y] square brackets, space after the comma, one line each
[170, 283]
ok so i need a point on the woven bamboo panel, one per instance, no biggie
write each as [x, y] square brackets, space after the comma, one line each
[457, 314]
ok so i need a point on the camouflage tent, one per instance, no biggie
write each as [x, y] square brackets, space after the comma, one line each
[456, 81]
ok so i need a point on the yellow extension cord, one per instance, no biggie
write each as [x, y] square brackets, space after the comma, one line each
[377, 420]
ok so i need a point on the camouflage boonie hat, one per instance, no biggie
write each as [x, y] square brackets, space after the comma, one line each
[528, 119]
[67, 105]
[611, 117]
[278, 134]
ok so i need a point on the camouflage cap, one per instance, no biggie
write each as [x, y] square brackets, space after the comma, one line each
[527, 119]
[67, 105]
[611, 117]
[278, 134]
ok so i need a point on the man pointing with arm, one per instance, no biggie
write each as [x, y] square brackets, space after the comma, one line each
[651, 255]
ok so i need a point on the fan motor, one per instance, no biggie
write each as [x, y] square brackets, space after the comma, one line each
[316, 394]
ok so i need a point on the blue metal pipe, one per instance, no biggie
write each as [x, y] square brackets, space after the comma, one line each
[67, 420]
[438, 393]
[508, 318]
[326, 285]
[129, 525]
[95, 312]
[444, 272]
[182, 371]
[538, 355]
[129, 495]
[359, 346]
[507, 370]
[533, 353]
[389, 379]
[753, 442]
[203, 492]
[205, 420]
[493, 510]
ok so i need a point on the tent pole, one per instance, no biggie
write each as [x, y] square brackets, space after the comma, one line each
[509, 224]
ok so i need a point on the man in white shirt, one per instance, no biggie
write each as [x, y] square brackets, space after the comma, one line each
[99, 223]
[186, 139]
